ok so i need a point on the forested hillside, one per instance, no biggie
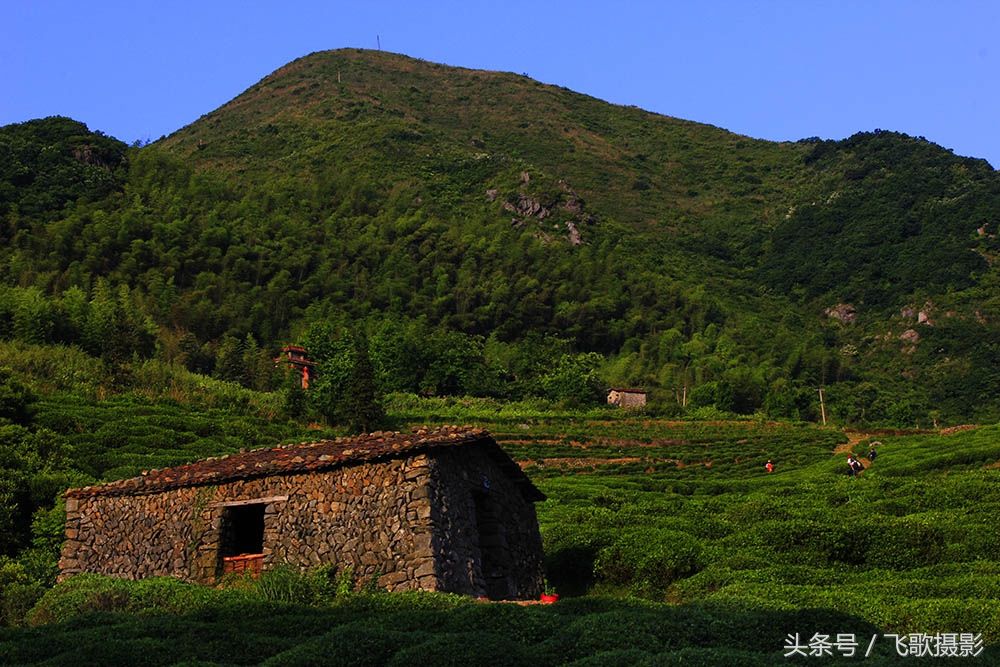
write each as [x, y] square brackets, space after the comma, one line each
[459, 246]
[486, 234]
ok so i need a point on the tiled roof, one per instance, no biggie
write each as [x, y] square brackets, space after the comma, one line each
[307, 457]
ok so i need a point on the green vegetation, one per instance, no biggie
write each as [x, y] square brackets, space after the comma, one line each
[69, 419]
[433, 211]
[907, 544]
[658, 524]
[290, 619]
[415, 227]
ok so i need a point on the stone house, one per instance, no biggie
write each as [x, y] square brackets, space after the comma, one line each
[438, 510]
[627, 398]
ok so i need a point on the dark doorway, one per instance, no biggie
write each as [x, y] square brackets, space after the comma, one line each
[492, 547]
[242, 530]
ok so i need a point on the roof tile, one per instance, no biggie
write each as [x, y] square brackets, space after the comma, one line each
[298, 458]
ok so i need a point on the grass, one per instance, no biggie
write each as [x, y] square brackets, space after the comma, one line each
[671, 529]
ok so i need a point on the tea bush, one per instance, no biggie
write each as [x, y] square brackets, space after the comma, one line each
[351, 645]
[649, 559]
[472, 647]
[238, 626]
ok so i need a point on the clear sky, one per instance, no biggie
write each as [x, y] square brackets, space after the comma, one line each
[779, 69]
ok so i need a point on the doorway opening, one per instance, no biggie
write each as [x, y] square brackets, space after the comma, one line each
[492, 547]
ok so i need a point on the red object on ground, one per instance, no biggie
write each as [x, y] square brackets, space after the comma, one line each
[549, 598]
[243, 563]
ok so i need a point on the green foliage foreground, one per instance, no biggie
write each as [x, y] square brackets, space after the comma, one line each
[292, 619]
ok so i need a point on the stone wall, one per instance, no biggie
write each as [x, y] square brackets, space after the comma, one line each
[373, 517]
[450, 519]
[481, 516]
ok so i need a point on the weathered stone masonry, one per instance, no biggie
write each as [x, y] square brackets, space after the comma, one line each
[438, 510]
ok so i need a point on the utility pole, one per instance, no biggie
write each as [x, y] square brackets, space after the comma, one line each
[822, 406]
[378, 42]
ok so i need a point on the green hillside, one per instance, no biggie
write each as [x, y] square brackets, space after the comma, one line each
[437, 209]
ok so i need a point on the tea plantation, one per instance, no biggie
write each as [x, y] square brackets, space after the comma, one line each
[668, 541]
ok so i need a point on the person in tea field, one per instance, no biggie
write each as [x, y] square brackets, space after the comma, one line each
[853, 465]
[872, 453]
[856, 466]
[769, 466]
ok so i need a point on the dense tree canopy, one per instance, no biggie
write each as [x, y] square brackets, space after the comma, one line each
[483, 254]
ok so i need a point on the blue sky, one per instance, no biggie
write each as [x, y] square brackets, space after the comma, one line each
[779, 70]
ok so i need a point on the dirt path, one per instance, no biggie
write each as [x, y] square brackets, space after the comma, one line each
[854, 438]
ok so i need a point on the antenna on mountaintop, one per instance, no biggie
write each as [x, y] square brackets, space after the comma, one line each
[378, 43]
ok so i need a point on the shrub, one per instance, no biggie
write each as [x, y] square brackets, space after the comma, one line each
[18, 592]
[570, 553]
[603, 630]
[17, 402]
[462, 649]
[649, 559]
[354, 645]
[287, 585]
[85, 593]
[526, 625]
[906, 543]
[616, 658]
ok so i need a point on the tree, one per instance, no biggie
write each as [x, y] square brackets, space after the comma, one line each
[117, 329]
[293, 401]
[17, 402]
[229, 360]
[34, 317]
[258, 367]
[574, 379]
[360, 406]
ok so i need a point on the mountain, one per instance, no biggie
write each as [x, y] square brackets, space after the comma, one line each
[448, 209]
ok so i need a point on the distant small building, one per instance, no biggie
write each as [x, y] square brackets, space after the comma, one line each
[438, 510]
[627, 398]
[296, 357]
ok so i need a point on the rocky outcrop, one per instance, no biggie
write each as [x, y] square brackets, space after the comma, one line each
[566, 205]
[573, 233]
[527, 207]
[842, 312]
